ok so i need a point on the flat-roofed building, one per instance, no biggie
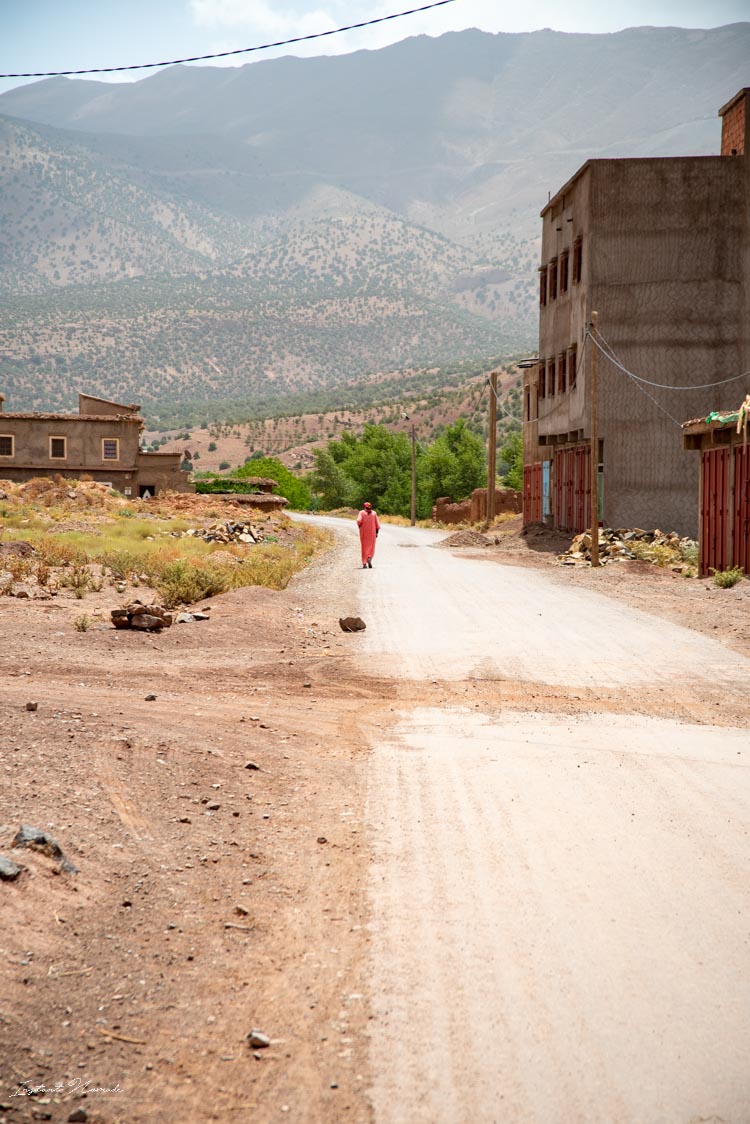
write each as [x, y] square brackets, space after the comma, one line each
[659, 248]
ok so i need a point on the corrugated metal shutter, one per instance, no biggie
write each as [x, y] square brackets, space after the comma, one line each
[741, 513]
[714, 510]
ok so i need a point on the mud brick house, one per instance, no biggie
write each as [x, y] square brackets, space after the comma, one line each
[102, 441]
[723, 488]
[660, 248]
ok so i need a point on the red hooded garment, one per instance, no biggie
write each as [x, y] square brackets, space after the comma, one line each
[369, 525]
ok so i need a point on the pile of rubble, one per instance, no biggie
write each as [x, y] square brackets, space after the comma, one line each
[228, 532]
[465, 538]
[145, 618]
[623, 545]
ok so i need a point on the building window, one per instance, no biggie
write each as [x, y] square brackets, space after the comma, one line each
[564, 263]
[542, 392]
[7, 445]
[110, 449]
[58, 448]
[577, 260]
[542, 287]
[573, 364]
[551, 377]
[553, 279]
[562, 373]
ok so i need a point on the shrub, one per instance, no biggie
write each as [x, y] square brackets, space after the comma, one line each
[725, 579]
[82, 623]
[78, 578]
[182, 582]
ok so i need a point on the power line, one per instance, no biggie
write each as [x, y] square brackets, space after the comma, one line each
[227, 54]
[636, 381]
[610, 354]
[497, 399]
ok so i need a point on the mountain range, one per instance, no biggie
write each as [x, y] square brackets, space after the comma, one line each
[209, 235]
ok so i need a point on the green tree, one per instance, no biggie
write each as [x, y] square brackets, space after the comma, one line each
[379, 464]
[288, 485]
[511, 461]
[455, 464]
[330, 482]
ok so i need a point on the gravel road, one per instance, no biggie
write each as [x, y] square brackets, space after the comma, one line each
[560, 902]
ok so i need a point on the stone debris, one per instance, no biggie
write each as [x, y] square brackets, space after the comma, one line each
[623, 545]
[352, 624]
[9, 870]
[258, 1040]
[229, 532]
[188, 618]
[145, 618]
[32, 707]
[38, 840]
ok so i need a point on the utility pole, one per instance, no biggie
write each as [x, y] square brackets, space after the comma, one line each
[594, 434]
[413, 476]
[492, 449]
[413, 435]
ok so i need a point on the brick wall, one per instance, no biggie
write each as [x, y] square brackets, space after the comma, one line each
[733, 130]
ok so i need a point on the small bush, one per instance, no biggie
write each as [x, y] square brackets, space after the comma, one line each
[78, 578]
[82, 623]
[725, 579]
[182, 582]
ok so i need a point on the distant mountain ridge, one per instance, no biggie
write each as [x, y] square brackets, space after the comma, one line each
[346, 214]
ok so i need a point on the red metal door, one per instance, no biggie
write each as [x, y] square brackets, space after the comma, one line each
[582, 516]
[572, 489]
[714, 510]
[532, 493]
[741, 512]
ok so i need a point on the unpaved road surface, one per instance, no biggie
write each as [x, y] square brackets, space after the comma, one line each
[492, 867]
[560, 901]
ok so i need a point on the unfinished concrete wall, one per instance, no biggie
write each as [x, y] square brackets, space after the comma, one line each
[666, 277]
[666, 264]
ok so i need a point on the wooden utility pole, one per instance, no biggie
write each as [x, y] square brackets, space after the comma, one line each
[492, 449]
[594, 434]
[413, 475]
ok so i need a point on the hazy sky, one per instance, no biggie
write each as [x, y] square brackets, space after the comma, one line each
[71, 34]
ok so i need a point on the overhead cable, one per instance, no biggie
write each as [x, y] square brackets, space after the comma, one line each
[636, 381]
[227, 54]
[608, 351]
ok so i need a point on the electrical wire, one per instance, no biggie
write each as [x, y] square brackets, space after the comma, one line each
[227, 54]
[497, 399]
[637, 385]
[610, 354]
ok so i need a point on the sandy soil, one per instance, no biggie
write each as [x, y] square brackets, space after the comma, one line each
[136, 946]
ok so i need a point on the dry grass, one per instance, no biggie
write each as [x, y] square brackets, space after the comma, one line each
[78, 544]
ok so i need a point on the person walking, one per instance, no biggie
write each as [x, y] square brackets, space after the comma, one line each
[369, 525]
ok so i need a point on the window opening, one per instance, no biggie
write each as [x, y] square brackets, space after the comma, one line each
[562, 373]
[7, 443]
[542, 287]
[564, 263]
[553, 279]
[110, 449]
[577, 260]
[58, 448]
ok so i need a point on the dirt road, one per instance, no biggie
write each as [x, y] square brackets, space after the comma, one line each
[560, 902]
[491, 867]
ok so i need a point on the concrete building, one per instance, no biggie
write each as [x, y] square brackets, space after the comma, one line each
[660, 248]
[102, 442]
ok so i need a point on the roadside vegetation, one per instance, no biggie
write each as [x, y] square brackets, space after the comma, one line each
[75, 545]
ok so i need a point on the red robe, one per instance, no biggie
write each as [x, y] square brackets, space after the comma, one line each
[369, 525]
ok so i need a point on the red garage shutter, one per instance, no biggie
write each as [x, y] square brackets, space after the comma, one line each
[714, 510]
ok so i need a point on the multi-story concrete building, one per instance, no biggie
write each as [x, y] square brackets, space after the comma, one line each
[102, 441]
[660, 248]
